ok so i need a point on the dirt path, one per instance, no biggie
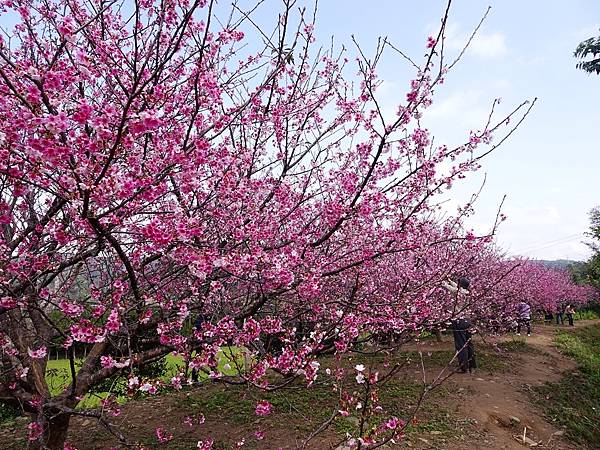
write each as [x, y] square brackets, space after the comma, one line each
[498, 403]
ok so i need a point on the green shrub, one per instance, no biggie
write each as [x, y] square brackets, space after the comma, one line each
[587, 314]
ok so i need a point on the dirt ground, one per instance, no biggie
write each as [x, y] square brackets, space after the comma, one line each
[499, 403]
[488, 409]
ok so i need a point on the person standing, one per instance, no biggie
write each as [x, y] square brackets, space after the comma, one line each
[524, 311]
[200, 319]
[462, 327]
[463, 344]
[569, 311]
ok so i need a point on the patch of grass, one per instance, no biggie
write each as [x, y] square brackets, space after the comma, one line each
[8, 413]
[587, 314]
[583, 346]
[297, 404]
[399, 397]
[439, 421]
[427, 336]
[520, 345]
[230, 403]
[303, 409]
[493, 362]
[516, 345]
[575, 400]
[488, 359]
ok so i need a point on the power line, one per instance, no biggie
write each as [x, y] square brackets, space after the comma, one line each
[551, 243]
[570, 236]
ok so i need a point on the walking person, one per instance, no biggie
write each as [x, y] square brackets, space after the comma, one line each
[462, 328]
[559, 316]
[524, 311]
[569, 311]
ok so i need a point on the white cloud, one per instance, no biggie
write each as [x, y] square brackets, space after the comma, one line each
[484, 45]
[586, 32]
[533, 214]
[553, 238]
[489, 45]
[456, 114]
[389, 88]
[575, 250]
[457, 102]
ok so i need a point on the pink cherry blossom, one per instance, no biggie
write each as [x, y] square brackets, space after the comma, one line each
[39, 353]
[206, 444]
[35, 430]
[263, 408]
[163, 436]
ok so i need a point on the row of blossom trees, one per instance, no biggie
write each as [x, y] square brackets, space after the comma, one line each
[151, 174]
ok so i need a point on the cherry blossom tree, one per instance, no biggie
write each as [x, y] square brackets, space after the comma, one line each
[157, 165]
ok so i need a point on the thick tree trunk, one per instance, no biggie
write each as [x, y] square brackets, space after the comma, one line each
[55, 431]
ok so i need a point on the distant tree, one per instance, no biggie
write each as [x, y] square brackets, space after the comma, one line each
[594, 232]
[588, 47]
[589, 272]
[593, 271]
[578, 272]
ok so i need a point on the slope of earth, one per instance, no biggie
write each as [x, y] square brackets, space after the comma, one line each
[499, 402]
[491, 409]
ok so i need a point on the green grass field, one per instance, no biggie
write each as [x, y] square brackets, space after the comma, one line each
[58, 374]
[58, 378]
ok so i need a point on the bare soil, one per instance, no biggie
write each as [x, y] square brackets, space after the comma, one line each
[500, 403]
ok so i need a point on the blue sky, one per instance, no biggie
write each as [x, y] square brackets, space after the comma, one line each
[549, 168]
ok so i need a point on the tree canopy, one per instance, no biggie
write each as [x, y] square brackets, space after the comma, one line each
[158, 165]
[587, 48]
